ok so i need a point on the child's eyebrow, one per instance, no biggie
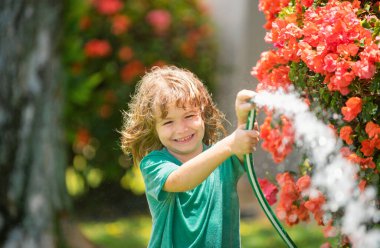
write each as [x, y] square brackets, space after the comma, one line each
[191, 111]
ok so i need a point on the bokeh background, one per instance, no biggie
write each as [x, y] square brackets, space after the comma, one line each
[68, 70]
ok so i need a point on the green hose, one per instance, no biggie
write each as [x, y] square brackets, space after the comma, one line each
[248, 164]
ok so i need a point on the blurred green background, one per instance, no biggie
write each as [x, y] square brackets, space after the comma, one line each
[135, 230]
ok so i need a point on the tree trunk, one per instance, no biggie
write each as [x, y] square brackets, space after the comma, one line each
[32, 157]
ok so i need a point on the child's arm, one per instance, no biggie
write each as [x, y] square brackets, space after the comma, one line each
[193, 172]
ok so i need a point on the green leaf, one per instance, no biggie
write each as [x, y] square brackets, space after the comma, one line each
[369, 109]
[81, 93]
[375, 84]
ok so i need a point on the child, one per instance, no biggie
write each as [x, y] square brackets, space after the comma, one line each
[172, 130]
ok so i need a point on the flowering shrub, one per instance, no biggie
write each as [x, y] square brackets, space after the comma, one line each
[329, 51]
[108, 44]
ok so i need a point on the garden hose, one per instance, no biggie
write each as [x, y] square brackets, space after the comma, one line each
[248, 164]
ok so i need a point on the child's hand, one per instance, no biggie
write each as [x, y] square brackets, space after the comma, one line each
[243, 106]
[243, 141]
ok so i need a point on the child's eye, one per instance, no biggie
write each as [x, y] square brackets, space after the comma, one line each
[189, 116]
[167, 123]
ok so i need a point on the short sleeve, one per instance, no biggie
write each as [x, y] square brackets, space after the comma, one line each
[155, 170]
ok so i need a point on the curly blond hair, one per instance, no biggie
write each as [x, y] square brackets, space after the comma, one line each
[157, 89]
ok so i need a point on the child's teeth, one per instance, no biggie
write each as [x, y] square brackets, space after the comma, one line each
[184, 139]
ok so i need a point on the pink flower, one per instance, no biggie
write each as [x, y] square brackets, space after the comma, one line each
[330, 62]
[160, 20]
[364, 69]
[269, 190]
[108, 7]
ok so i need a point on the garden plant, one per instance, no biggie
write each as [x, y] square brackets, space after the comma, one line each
[108, 45]
[329, 53]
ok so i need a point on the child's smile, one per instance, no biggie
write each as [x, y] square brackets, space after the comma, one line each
[181, 131]
[185, 139]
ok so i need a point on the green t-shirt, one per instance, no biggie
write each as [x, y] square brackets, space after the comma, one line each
[206, 216]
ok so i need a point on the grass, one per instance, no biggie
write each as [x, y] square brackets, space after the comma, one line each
[257, 233]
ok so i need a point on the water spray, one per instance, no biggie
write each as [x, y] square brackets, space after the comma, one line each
[333, 174]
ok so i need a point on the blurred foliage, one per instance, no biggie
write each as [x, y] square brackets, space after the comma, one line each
[135, 232]
[107, 46]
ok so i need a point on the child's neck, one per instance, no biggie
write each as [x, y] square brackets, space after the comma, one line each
[183, 158]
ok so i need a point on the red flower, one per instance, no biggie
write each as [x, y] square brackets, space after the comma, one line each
[84, 23]
[367, 147]
[159, 63]
[108, 7]
[347, 50]
[291, 206]
[160, 20]
[97, 48]
[362, 185]
[120, 24]
[314, 205]
[131, 70]
[105, 111]
[271, 8]
[307, 3]
[269, 190]
[352, 109]
[365, 163]
[372, 129]
[303, 183]
[330, 61]
[329, 230]
[277, 140]
[325, 245]
[345, 134]
[125, 53]
[189, 46]
[82, 138]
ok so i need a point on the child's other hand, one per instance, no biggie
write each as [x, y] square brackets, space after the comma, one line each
[243, 141]
[243, 106]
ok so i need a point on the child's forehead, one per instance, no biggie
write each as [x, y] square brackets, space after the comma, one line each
[170, 108]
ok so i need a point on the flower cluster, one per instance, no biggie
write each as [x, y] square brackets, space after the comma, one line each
[293, 205]
[277, 139]
[329, 51]
[108, 45]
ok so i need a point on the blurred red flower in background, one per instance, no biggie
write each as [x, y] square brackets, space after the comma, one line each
[108, 7]
[120, 24]
[160, 20]
[97, 48]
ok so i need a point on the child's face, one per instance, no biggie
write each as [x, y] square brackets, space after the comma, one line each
[181, 131]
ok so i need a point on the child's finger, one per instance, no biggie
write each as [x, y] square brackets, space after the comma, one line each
[246, 106]
[256, 126]
[245, 95]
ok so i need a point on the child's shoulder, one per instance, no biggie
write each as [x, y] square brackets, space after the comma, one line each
[158, 155]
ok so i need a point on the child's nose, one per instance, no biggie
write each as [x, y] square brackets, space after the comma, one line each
[182, 127]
